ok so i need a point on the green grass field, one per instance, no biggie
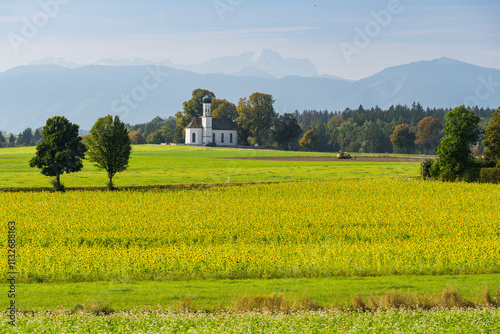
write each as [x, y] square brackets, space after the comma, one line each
[158, 165]
[219, 295]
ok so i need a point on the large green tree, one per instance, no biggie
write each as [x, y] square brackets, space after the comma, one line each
[25, 138]
[12, 140]
[348, 136]
[61, 150]
[429, 133]
[192, 108]
[109, 146]
[256, 116]
[403, 139]
[492, 141]
[136, 138]
[163, 135]
[309, 140]
[454, 153]
[37, 137]
[285, 130]
[374, 139]
[3, 141]
[223, 109]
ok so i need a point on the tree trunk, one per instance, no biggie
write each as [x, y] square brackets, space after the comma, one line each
[110, 185]
[57, 183]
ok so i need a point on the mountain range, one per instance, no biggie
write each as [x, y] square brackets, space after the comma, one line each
[264, 63]
[138, 91]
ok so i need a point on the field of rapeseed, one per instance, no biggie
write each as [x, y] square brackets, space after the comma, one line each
[300, 229]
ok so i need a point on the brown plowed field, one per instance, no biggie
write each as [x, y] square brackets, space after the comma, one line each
[358, 159]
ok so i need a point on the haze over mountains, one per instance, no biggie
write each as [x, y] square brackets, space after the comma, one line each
[139, 90]
[263, 63]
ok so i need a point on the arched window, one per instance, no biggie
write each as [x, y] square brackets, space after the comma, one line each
[231, 138]
[213, 137]
[194, 138]
[222, 138]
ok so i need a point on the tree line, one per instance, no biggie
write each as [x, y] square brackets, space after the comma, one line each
[398, 129]
[25, 138]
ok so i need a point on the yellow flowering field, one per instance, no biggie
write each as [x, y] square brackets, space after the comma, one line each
[296, 229]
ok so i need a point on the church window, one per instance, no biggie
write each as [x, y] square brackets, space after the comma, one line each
[213, 137]
[231, 138]
[194, 138]
[222, 138]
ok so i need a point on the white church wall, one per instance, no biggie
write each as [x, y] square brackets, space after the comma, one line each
[189, 136]
[227, 137]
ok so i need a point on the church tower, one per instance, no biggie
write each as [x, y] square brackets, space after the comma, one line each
[206, 120]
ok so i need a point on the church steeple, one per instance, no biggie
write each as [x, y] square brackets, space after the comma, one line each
[206, 120]
[207, 106]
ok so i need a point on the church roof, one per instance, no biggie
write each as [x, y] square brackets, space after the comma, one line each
[223, 124]
[194, 124]
[217, 124]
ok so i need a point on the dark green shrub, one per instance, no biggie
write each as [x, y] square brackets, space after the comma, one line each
[489, 175]
[472, 174]
[427, 168]
[434, 170]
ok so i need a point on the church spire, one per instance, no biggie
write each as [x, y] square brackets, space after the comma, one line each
[207, 106]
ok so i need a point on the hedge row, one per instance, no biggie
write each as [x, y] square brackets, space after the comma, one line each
[489, 175]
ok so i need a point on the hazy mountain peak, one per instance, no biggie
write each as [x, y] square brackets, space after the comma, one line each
[266, 54]
[132, 62]
[55, 61]
[265, 63]
[257, 56]
[448, 61]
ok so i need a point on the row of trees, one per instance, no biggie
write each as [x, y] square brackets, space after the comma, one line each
[25, 138]
[400, 129]
[413, 129]
[61, 151]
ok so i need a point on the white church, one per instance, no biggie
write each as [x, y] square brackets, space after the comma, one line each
[204, 130]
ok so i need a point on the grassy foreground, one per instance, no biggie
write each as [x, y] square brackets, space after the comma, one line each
[154, 165]
[483, 320]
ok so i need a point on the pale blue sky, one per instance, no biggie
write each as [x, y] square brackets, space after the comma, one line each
[323, 31]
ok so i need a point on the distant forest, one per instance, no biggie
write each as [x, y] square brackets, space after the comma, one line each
[400, 129]
[352, 130]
